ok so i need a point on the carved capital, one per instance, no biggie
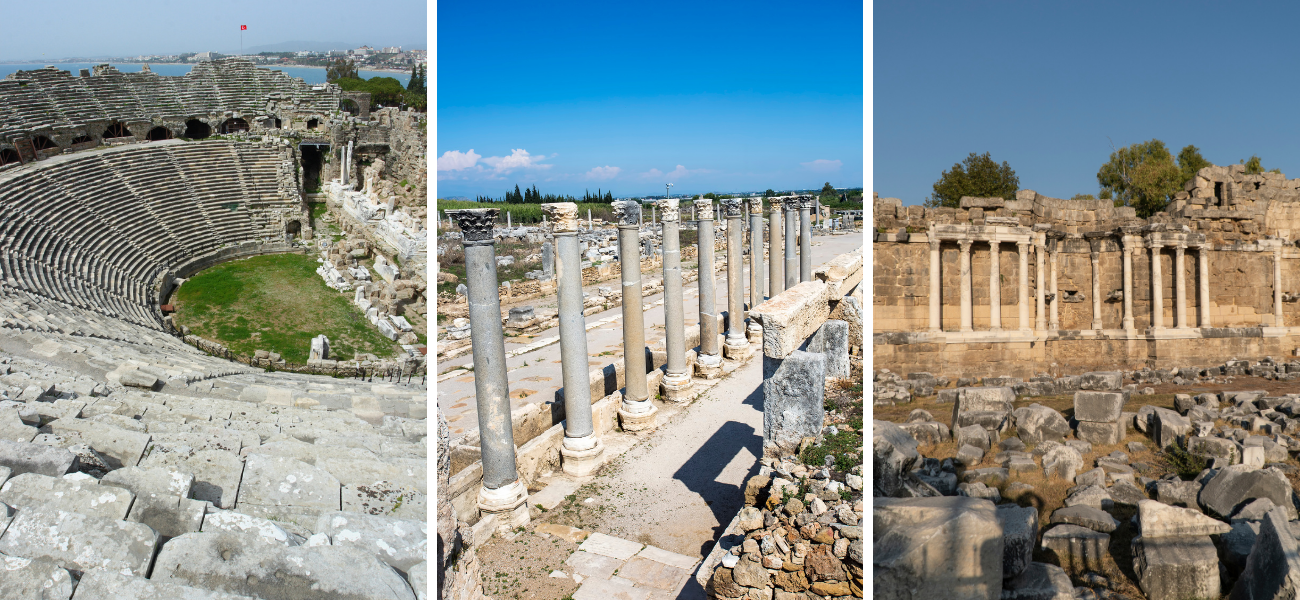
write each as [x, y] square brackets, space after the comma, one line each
[774, 205]
[475, 224]
[964, 245]
[731, 207]
[755, 206]
[564, 216]
[628, 212]
[704, 209]
[668, 209]
[805, 202]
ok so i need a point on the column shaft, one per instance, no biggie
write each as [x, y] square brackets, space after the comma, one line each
[1157, 303]
[791, 254]
[936, 296]
[1040, 319]
[805, 241]
[629, 253]
[674, 323]
[1180, 291]
[1203, 262]
[708, 295]
[1096, 289]
[967, 321]
[1022, 298]
[1277, 288]
[775, 267]
[1054, 321]
[995, 286]
[573, 337]
[1128, 283]
[735, 339]
[755, 259]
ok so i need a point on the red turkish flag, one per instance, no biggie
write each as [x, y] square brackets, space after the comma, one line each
[243, 27]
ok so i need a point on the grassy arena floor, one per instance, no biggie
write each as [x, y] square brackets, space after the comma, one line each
[278, 303]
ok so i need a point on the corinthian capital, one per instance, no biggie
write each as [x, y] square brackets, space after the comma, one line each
[475, 223]
[628, 212]
[704, 209]
[731, 207]
[564, 216]
[668, 209]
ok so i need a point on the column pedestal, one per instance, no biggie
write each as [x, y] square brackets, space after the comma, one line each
[582, 456]
[507, 504]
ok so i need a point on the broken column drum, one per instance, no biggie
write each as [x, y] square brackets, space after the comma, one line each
[502, 495]
[548, 260]
[736, 344]
[791, 231]
[636, 412]
[805, 239]
[677, 379]
[708, 364]
[755, 261]
[581, 449]
[775, 273]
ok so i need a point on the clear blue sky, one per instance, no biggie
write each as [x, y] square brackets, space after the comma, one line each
[39, 31]
[710, 96]
[1047, 86]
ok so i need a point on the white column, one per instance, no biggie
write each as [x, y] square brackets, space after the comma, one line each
[1128, 282]
[995, 286]
[966, 318]
[1054, 321]
[1180, 289]
[936, 297]
[1203, 262]
[1022, 301]
[1096, 287]
[1277, 287]
[1040, 319]
[1157, 303]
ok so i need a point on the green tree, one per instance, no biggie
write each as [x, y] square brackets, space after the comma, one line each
[977, 176]
[1141, 175]
[1253, 166]
[1083, 197]
[1189, 162]
[828, 193]
[770, 193]
[341, 68]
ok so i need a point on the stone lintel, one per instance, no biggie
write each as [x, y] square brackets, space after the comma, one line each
[790, 317]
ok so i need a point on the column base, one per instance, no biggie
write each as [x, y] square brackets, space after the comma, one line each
[641, 420]
[508, 504]
[708, 366]
[676, 388]
[737, 349]
[582, 456]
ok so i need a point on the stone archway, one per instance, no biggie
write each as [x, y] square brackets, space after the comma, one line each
[117, 130]
[197, 130]
[234, 125]
[158, 134]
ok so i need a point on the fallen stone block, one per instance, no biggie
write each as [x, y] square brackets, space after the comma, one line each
[997, 400]
[1062, 461]
[225, 562]
[1040, 581]
[1176, 568]
[124, 448]
[22, 578]
[79, 542]
[1085, 516]
[1098, 407]
[36, 458]
[1037, 423]
[893, 456]
[910, 532]
[401, 543]
[1019, 534]
[1092, 495]
[102, 584]
[1101, 434]
[1178, 493]
[1232, 487]
[793, 400]
[1159, 520]
[1077, 549]
[1235, 546]
[1214, 447]
[1168, 427]
[1273, 569]
[1101, 380]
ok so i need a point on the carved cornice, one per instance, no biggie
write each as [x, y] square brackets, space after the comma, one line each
[668, 209]
[475, 224]
[731, 207]
[564, 216]
[628, 212]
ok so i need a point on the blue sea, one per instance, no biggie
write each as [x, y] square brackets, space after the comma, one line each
[307, 74]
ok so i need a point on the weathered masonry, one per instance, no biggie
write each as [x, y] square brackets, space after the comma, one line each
[1042, 285]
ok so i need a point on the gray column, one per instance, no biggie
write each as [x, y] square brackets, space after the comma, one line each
[791, 233]
[1095, 255]
[1040, 319]
[775, 270]
[1022, 297]
[1277, 287]
[502, 494]
[548, 259]
[1053, 316]
[995, 285]
[1157, 303]
[677, 378]
[1180, 289]
[736, 345]
[636, 412]
[708, 364]
[805, 239]
[581, 450]
[1203, 264]
[1128, 281]
[936, 293]
[755, 261]
[966, 312]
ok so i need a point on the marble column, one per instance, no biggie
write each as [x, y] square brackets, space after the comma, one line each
[708, 365]
[805, 239]
[1128, 281]
[1040, 318]
[995, 285]
[1157, 302]
[775, 268]
[1180, 289]
[1022, 298]
[581, 449]
[636, 413]
[677, 376]
[548, 260]
[502, 494]
[936, 293]
[791, 233]
[1095, 254]
[1277, 287]
[736, 344]
[1203, 264]
[966, 313]
[755, 262]
[1054, 314]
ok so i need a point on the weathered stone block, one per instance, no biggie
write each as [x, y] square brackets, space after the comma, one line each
[1168, 426]
[1085, 516]
[832, 340]
[1234, 486]
[793, 400]
[1098, 407]
[84, 496]
[1019, 534]
[102, 584]
[277, 481]
[37, 579]
[1176, 568]
[401, 543]
[1161, 521]
[1037, 423]
[36, 458]
[791, 317]
[893, 456]
[80, 542]
[1077, 549]
[910, 533]
[1101, 380]
[1101, 434]
[1040, 581]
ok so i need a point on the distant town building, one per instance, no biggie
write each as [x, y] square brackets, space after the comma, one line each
[203, 56]
[392, 50]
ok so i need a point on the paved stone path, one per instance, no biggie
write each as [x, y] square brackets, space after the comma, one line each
[535, 374]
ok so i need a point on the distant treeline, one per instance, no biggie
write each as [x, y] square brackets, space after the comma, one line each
[532, 196]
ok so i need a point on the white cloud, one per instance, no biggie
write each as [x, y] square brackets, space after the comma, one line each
[678, 173]
[518, 159]
[455, 160]
[822, 165]
[603, 173]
